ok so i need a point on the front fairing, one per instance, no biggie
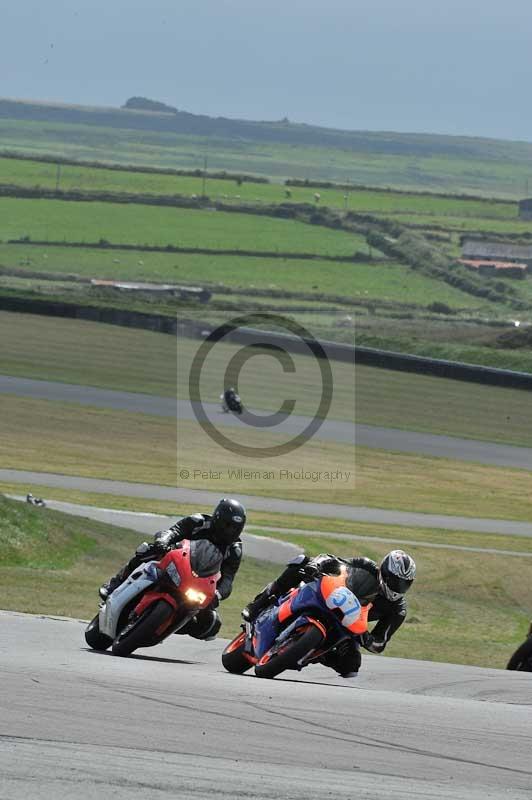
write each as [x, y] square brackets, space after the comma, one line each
[145, 577]
[265, 630]
[307, 600]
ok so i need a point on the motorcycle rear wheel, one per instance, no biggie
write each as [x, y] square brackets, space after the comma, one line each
[233, 657]
[291, 653]
[142, 632]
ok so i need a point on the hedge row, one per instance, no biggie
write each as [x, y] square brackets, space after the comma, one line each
[103, 244]
[360, 187]
[422, 256]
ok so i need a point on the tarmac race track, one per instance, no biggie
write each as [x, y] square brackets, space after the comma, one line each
[501, 455]
[170, 723]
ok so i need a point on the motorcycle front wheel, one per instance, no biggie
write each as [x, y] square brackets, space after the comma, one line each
[233, 657]
[144, 631]
[93, 636]
[290, 653]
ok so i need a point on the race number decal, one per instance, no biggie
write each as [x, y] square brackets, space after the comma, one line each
[343, 599]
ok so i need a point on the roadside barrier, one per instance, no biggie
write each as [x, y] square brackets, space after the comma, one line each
[336, 351]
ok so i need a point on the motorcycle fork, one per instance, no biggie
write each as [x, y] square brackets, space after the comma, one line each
[248, 644]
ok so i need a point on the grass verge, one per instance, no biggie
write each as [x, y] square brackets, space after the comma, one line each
[77, 440]
[75, 351]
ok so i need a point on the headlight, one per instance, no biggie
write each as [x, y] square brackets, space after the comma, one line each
[173, 574]
[195, 597]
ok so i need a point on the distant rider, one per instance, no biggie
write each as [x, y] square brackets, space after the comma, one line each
[384, 586]
[230, 399]
[223, 529]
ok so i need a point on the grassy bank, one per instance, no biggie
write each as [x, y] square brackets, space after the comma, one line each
[53, 563]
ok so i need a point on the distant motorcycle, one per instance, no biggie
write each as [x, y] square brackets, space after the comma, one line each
[299, 629]
[231, 402]
[35, 501]
[157, 599]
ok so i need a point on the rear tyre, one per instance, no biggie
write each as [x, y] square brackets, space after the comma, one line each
[233, 657]
[522, 658]
[143, 631]
[93, 637]
[290, 653]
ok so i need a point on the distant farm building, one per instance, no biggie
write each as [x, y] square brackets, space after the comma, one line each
[525, 208]
[507, 269]
[480, 250]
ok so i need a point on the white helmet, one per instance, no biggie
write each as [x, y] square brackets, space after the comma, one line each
[396, 574]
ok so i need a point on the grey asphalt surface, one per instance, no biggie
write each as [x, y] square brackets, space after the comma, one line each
[333, 430]
[171, 723]
[32, 480]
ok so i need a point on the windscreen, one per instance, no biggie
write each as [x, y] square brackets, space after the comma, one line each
[205, 558]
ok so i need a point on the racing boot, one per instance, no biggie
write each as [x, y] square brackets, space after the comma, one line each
[259, 603]
[345, 659]
[143, 552]
[109, 587]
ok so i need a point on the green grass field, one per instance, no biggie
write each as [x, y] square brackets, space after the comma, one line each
[484, 225]
[392, 282]
[53, 563]
[45, 175]
[490, 167]
[59, 220]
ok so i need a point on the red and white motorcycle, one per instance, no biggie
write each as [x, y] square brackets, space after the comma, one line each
[157, 599]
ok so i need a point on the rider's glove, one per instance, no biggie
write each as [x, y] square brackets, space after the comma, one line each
[148, 550]
[215, 602]
[144, 549]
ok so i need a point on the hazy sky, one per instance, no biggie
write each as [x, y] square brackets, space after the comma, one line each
[455, 66]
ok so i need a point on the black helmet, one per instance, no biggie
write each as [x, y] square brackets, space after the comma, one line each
[396, 574]
[228, 520]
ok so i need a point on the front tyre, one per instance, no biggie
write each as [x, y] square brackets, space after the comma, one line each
[289, 654]
[93, 637]
[145, 631]
[233, 657]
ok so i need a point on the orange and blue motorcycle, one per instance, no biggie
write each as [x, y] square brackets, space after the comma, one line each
[298, 629]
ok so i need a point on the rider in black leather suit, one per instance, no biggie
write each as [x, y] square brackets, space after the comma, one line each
[384, 586]
[223, 529]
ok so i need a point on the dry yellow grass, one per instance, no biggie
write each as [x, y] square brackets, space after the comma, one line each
[55, 437]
